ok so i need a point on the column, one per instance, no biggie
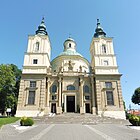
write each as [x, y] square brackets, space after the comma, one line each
[93, 97]
[82, 108]
[59, 108]
[65, 103]
[48, 92]
[47, 108]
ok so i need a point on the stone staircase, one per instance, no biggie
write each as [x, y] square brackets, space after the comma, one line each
[75, 118]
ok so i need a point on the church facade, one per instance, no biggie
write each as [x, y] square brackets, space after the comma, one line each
[70, 83]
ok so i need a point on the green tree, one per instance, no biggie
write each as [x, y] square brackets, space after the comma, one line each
[9, 87]
[136, 96]
[17, 73]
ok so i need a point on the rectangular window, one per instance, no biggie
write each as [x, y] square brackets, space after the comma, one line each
[35, 61]
[32, 84]
[109, 95]
[54, 97]
[108, 84]
[105, 62]
[31, 98]
[87, 98]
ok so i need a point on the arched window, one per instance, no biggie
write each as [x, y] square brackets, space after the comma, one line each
[37, 46]
[70, 87]
[54, 88]
[86, 89]
[104, 48]
[69, 45]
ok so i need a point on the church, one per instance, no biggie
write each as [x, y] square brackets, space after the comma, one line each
[70, 83]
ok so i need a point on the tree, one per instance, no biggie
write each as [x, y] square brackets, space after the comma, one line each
[17, 73]
[136, 96]
[9, 87]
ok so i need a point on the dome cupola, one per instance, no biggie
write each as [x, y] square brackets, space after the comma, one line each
[70, 45]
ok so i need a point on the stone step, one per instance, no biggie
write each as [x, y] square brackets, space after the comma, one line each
[74, 118]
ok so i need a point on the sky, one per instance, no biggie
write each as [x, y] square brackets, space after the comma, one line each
[120, 19]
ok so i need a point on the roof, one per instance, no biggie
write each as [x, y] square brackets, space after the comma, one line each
[70, 52]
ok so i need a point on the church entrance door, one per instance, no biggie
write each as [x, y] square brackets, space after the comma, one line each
[53, 108]
[70, 103]
[87, 108]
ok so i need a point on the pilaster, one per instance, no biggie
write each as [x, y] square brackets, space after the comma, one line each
[42, 94]
[98, 95]
[121, 105]
[21, 92]
[59, 108]
[82, 108]
[93, 97]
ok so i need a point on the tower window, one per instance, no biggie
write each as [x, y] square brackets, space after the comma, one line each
[31, 98]
[35, 61]
[105, 62]
[109, 95]
[37, 46]
[69, 45]
[103, 49]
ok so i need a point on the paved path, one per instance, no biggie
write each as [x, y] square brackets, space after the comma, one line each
[71, 131]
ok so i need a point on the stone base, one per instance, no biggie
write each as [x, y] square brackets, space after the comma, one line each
[47, 110]
[113, 114]
[82, 110]
[59, 110]
[29, 113]
[94, 110]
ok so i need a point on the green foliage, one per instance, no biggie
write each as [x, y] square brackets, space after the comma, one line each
[134, 120]
[25, 121]
[9, 87]
[4, 121]
[124, 105]
[7, 78]
[136, 96]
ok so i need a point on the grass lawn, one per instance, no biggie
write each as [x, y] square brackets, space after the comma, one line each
[4, 121]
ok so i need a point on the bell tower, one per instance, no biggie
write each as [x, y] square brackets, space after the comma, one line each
[37, 57]
[32, 93]
[107, 78]
[103, 59]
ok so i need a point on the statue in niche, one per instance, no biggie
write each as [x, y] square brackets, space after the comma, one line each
[70, 67]
[49, 69]
[80, 68]
[60, 69]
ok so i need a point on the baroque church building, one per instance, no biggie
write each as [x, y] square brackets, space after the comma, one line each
[70, 83]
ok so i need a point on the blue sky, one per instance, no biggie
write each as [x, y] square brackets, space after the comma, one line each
[120, 19]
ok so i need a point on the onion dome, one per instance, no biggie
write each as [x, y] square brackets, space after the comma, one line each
[42, 28]
[99, 30]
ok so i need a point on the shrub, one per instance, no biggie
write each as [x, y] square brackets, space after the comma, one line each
[134, 120]
[26, 121]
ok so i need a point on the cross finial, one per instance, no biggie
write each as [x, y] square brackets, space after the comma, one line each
[42, 20]
[69, 35]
